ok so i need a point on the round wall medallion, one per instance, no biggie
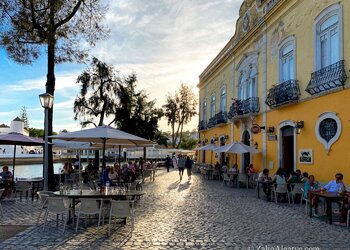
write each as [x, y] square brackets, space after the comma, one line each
[328, 129]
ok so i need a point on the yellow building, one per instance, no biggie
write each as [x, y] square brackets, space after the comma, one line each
[280, 84]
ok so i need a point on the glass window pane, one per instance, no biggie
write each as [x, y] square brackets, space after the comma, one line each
[291, 68]
[334, 46]
[287, 49]
[284, 72]
[329, 22]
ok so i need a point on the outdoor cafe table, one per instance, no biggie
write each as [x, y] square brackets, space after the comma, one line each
[35, 184]
[110, 194]
[330, 197]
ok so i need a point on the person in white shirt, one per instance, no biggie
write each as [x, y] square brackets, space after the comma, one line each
[336, 185]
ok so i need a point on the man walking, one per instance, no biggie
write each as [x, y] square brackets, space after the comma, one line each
[167, 162]
[188, 165]
[181, 163]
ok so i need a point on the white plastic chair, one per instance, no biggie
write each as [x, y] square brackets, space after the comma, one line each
[120, 210]
[226, 178]
[23, 187]
[307, 201]
[43, 195]
[89, 207]
[297, 190]
[1, 192]
[58, 206]
[243, 178]
[280, 189]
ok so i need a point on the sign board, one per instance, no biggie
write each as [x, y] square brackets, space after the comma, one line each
[271, 137]
[255, 129]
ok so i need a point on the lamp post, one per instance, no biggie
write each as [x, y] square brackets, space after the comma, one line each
[46, 101]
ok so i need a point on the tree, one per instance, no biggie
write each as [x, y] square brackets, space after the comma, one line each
[161, 138]
[37, 132]
[179, 110]
[60, 26]
[188, 141]
[134, 113]
[24, 117]
[98, 95]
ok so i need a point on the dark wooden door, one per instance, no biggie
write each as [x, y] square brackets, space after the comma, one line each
[288, 149]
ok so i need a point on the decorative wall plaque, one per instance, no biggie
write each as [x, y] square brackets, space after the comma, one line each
[328, 129]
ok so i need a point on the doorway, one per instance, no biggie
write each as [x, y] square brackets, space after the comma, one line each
[246, 156]
[287, 151]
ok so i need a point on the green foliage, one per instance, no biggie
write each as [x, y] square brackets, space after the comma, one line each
[135, 113]
[37, 132]
[180, 108]
[189, 140]
[161, 138]
[98, 96]
[24, 117]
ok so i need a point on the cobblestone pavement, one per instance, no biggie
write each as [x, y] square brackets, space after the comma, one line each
[178, 215]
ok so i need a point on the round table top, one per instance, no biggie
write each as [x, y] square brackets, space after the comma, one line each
[111, 193]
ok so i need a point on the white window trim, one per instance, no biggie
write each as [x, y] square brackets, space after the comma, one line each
[329, 11]
[323, 116]
[245, 65]
[283, 44]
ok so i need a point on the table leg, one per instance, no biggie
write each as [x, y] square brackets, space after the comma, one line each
[310, 205]
[329, 210]
[258, 190]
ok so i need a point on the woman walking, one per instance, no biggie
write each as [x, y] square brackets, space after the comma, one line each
[188, 165]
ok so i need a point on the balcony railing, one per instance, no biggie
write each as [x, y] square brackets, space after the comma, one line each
[284, 93]
[221, 117]
[212, 122]
[328, 78]
[248, 106]
[202, 125]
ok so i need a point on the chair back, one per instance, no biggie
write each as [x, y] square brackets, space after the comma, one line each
[281, 188]
[90, 206]
[298, 188]
[23, 185]
[122, 209]
[57, 205]
[226, 177]
[242, 177]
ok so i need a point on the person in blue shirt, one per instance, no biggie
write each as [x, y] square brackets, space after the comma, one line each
[336, 185]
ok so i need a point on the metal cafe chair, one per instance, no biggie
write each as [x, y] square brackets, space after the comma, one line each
[89, 207]
[121, 209]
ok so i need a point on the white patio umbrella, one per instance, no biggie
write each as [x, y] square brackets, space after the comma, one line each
[104, 135]
[209, 147]
[237, 148]
[19, 139]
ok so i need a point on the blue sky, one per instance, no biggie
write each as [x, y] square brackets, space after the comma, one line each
[166, 42]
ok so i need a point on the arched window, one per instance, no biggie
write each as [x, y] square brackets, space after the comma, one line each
[242, 87]
[204, 113]
[252, 88]
[328, 36]
[212, 105]
[223, 99]
[287, 61]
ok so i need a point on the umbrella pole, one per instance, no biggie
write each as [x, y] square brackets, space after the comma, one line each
[103, 154]
[14, 163]
[120, 151]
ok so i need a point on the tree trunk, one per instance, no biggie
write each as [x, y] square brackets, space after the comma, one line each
[50, 88]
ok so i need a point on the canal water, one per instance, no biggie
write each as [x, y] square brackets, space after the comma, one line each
[34, 170]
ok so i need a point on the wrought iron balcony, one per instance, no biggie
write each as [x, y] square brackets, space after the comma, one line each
[212, 122]
[202, 125]
[221, 117]
[328, 78]
[245, 107]
[284, 93]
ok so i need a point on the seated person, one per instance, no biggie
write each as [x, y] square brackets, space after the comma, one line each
[298, 174]
[250, 170]
[217, 166]
[279, 177]
[65, 168]
[70, 168]
[7, 180]
[305, 177]
[345, 207]
[113, 175]
[224, 168]
[311, 185]
[293, 178]
[336, 185]
[233, 170]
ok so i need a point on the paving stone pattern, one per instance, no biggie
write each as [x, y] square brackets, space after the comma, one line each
[177, 215]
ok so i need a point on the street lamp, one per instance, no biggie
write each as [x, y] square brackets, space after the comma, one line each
[46, 101]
